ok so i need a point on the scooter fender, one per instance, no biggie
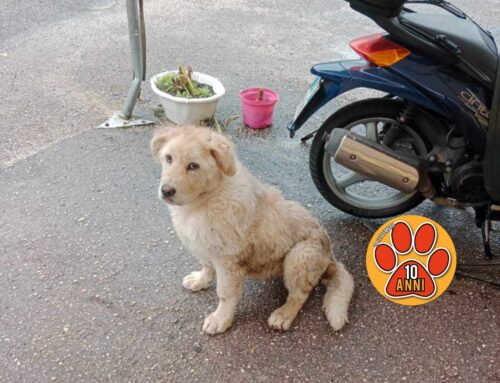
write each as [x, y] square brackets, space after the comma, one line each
[335, 78]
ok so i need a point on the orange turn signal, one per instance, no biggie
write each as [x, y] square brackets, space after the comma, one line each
[379, 50]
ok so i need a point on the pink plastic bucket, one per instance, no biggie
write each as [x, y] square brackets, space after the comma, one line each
[258, 114]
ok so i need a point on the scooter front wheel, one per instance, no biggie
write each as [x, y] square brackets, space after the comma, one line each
[354, 193]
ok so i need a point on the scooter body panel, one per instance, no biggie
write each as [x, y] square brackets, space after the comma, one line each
[439, 88]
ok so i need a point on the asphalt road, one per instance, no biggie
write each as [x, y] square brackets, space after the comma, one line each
[90, 267]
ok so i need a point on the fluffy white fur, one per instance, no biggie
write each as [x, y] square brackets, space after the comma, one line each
[239, 227]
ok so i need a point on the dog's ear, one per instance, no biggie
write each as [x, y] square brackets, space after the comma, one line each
[222, 150]
[160, 138]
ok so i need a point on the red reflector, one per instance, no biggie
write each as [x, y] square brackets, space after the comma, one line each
[379, 50]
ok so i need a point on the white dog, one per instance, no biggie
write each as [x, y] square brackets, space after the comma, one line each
[238, 227]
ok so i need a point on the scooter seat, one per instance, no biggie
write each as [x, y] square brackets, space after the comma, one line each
[476, 48]
[387, 8]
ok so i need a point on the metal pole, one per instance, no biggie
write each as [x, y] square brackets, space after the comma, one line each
[137, 57]
[137, 37]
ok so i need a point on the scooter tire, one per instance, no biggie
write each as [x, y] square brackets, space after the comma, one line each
[371, 108]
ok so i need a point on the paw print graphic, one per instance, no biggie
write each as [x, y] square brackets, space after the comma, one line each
[412, 261]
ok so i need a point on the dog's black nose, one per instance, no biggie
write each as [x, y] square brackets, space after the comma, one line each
[167, 191]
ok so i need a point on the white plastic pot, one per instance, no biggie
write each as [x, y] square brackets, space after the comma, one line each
[182, 110]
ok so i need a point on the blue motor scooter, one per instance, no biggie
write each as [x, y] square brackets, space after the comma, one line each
[436, 132]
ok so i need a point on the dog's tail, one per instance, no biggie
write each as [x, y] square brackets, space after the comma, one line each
[339, 290]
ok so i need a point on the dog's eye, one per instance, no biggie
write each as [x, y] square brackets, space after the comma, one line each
[168, 158]
[193, 166]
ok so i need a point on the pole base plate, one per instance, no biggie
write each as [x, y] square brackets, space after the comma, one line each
[117, 120]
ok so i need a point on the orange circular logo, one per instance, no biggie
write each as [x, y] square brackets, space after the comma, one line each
[411, 260]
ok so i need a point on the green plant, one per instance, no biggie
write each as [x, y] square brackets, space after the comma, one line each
[180, 84]
[218, 124]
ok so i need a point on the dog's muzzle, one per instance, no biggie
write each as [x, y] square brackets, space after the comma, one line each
[167, 194]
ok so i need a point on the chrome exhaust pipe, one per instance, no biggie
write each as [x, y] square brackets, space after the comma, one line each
[377, 162]
[397, 170]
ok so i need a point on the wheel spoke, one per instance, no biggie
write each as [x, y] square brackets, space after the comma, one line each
[350, 179]
[371, 131]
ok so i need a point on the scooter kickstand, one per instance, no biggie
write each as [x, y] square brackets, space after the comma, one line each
[486, 231]
[483, 221]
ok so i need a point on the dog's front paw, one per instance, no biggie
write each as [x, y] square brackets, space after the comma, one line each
[281, 319]
[217, 323]
[196, 281]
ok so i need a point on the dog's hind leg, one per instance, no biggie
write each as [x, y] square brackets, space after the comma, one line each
[303, 267]
[199, 280]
